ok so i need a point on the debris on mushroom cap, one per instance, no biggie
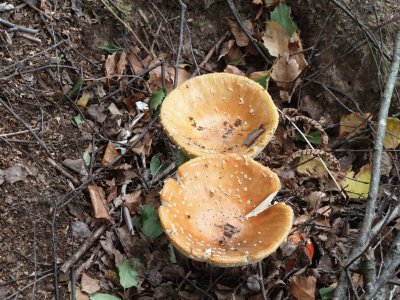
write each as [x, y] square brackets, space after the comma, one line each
[219, 113]
[205, 213]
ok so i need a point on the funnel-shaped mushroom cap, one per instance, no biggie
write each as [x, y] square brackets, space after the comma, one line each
[220, 113]
[206, 213]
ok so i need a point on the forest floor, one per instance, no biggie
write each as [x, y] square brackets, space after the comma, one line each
[80, 85]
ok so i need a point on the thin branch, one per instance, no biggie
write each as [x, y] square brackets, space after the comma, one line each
[15, 27]
[369, 217]
[180, 46]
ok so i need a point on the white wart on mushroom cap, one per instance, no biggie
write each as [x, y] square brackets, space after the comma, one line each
[219, 113]
[204, 214]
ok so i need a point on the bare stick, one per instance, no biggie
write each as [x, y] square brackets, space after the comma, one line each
[83, 248]
[261, 280]
[180, 46]
[163, 173]
[246, 31]
[340, 291]
[15, 27]
[391, 262]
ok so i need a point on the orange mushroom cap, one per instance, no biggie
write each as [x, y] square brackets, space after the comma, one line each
[209, 213]
[219, 113]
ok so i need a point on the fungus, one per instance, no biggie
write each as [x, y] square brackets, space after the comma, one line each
[219, 113]
[224, 225]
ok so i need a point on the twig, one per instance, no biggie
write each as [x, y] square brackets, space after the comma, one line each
[62, 170]
[125, 210]
[369, 217]
[391, 262]
[180, 46]
[16, 116]
[83, 248]
[15, 27]
[246, 31]
[30, 37]
[127, 27]
[27, 286]
[15, 133]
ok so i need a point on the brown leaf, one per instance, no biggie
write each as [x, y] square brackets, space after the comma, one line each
[89, 285]
[96, 112]
[144, 146]
[132, 201]
[135, 63]
[241, 38]
[78, 165]
[314, 200]
[303, 287]
[226, 47]
[14, 174]
[352, 123]
[110, 65]
[310, 106]
[99, 202]
[155, 80]
[276, 39]
[110, 154]
[233, 70]
[120, 67]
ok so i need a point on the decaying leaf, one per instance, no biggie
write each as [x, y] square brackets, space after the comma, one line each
[128, 272]
[132, 201]
[276, 39]
[110, 154]
[99, 202]
[282, 15]
[233, 70]
[14, 174]
[352, 123]
[144, 146]
[311, 166]
[83, 100]
[89, 285]
[120, 67]
[78, 165]
[226, 47]
[303, 287]
[392, 135]
[314, 200]
[114, 66]
[155, 80]
[357, 186]
[241, 38]
[97, 112]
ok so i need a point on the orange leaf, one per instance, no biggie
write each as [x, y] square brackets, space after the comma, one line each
[303, 287]
[99, 202]
[110, 154]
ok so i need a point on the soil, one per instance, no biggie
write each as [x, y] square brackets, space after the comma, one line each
[36, 213]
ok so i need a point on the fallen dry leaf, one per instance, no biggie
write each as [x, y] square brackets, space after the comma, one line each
[89, 285]
[120, 67]
[312, 107]
[392, 135]
[311, 166]
[99, 202]
[144, 146]
[226, 47]
[357, 186]
[241, 38]
[276, 39]
[110, 64]
[14, 174]
[155, 77]
[96, 112]
[132, 201]
[233, 70]
[110, 154]
[78, 165]
[314, 200]
[303, 287]
[80, 230]
[83, 100]
[386, 164]
[352, 123]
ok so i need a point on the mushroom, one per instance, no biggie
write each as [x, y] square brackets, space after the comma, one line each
[211, 213]
[219, 113]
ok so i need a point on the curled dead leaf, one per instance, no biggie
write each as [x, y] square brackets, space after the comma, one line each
[241, 38]
[89, 285]
[110, 154]
[303, 287]
[99, 202]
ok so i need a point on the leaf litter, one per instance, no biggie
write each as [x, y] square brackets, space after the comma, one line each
[146, 261]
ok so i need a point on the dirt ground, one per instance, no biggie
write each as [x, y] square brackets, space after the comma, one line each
[42, 77]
